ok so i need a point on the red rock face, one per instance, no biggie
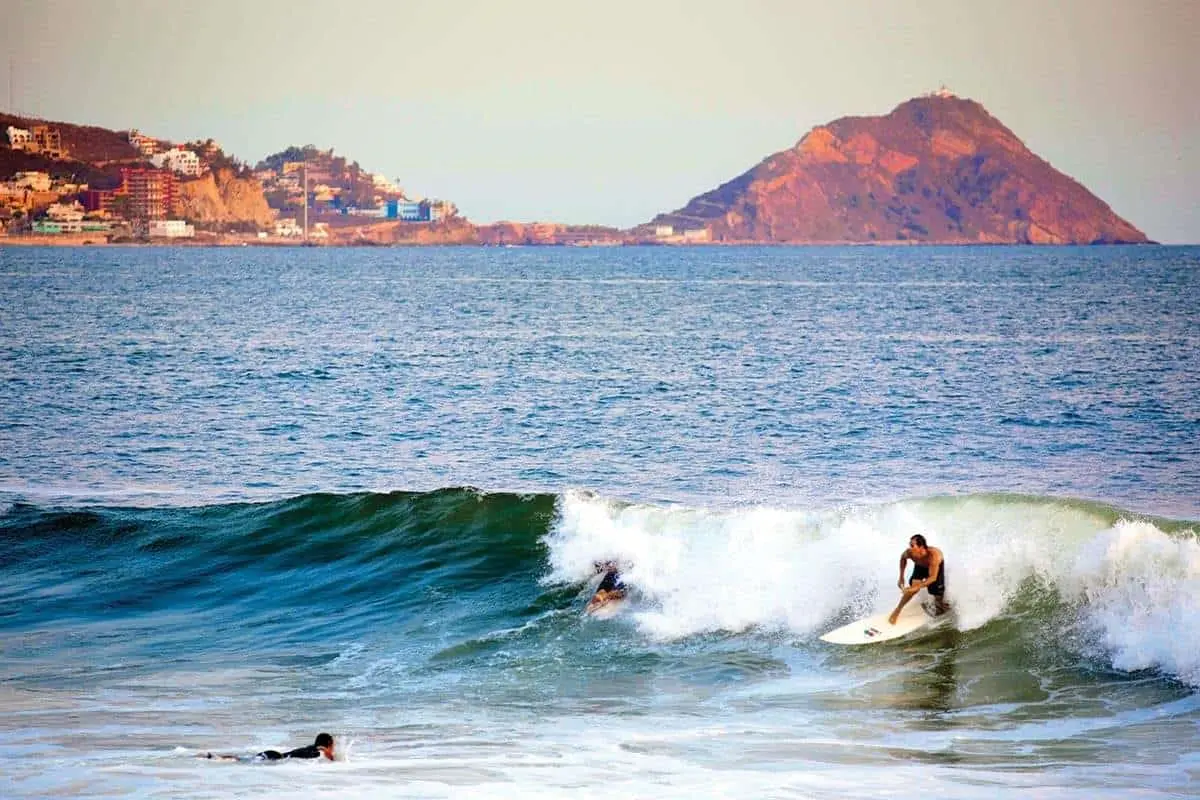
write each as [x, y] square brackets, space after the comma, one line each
[937, 169]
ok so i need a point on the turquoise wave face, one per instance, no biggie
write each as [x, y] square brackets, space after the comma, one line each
[197, 582]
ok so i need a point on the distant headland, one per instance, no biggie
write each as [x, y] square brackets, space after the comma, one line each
[938, 169]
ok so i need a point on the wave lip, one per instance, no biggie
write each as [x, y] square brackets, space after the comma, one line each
[1139, 591]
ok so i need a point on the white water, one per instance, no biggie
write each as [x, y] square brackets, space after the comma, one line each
[1135, 588]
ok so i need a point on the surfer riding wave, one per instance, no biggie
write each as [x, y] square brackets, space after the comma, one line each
[611, 587]
[929, 573]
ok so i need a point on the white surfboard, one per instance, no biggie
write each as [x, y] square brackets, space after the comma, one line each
[876, 628]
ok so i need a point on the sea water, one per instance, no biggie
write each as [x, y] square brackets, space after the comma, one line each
[247, 495]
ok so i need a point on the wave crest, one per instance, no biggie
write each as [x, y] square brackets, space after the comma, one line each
[1133, 583]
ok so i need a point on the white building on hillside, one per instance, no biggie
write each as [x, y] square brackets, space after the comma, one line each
[185, 162]
[65, 212]
[19, 138]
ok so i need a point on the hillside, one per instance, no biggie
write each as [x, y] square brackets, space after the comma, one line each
[94, 155]
[336, 182]
[226, 196]
[936, 169]
[14, 161]
[86, 143]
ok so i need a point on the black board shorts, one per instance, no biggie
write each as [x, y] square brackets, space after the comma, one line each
[938, 587]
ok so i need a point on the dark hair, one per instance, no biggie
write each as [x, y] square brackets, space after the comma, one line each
[324, 740]
[918, 540]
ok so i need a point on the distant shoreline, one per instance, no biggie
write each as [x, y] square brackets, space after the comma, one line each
[83, 240]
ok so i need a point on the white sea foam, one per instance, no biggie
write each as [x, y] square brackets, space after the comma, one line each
[1142, 592]
[699, 570]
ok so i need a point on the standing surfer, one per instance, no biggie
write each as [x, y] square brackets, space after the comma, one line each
[929, 572]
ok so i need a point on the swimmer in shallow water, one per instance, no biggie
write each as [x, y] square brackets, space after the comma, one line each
[321, 748]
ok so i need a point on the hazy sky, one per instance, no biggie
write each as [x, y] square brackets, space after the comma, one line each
[610, 112]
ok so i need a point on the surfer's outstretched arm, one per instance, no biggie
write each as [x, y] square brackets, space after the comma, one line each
[907, 595]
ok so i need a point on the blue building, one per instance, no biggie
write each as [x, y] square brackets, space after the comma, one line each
[408, 211]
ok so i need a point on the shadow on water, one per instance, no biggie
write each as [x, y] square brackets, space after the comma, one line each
[935, 687]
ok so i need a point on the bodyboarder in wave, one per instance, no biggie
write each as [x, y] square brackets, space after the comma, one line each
[611, 587]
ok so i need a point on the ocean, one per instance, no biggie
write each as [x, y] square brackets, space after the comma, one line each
[248, 495]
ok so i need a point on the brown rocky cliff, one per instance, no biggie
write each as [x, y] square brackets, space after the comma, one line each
[221, 199]
[936, 169]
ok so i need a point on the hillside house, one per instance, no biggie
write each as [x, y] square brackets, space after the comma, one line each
[146, 145]
[47, 141]
[184, 162]
[19, 138]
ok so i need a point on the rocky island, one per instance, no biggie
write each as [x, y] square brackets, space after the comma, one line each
[937, 169]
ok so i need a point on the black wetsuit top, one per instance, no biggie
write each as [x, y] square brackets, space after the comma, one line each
[920, 573]
[311, 751]
[612, 582]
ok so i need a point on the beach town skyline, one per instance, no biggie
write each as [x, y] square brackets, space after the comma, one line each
[532, 111]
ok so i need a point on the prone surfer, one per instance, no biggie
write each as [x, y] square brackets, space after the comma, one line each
[929, 573]
[611, 586]
[321, 748]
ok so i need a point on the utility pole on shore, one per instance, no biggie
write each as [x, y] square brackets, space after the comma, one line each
[305, 171]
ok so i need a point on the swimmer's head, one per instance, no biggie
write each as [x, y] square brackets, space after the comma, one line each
[324, 743]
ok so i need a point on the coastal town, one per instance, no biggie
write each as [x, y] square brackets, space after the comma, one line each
[155, 192]
[132, 187]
